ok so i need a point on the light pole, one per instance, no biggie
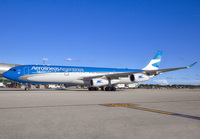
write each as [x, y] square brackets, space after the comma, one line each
[45, 59]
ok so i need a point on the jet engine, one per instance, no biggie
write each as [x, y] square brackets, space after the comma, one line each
[98, 82]
[139, 78]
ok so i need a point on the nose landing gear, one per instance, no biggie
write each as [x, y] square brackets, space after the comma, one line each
[27, 87]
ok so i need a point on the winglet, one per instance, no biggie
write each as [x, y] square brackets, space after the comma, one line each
[192, 65]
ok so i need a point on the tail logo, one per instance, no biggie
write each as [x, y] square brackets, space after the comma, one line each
[156, 64]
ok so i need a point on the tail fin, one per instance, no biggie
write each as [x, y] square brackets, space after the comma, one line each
[155, 62]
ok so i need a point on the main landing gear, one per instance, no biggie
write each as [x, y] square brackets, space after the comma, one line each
[102, 88]
[110, 89]
[93, 88]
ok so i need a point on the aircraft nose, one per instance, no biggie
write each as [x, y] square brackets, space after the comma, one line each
[6, 74]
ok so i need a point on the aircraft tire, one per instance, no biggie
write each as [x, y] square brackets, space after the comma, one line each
[102, 89]
[108, 89]
[93, 88]
[113, 89]
[27, 88]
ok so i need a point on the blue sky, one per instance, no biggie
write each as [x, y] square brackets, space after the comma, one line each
[103, 33]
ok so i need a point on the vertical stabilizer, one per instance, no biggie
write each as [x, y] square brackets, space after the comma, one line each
[155, 62]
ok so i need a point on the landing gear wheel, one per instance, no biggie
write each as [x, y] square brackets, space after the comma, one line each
[102, 89]
[93, 88]
[27, 88]
[113, 89]
[108, 89]
[90, 88]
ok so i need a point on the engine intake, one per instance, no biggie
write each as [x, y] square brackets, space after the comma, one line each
[132, 78]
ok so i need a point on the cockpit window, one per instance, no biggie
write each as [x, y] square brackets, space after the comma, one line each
[12, 69]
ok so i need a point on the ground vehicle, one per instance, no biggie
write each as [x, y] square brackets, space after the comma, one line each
[53, 86]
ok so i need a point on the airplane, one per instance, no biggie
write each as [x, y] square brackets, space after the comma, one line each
[93, 77]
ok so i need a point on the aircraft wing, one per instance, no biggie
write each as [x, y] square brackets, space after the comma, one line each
[126, 74]
[156, 72]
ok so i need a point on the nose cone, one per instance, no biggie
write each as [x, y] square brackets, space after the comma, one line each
[10, 75]
[6, 75]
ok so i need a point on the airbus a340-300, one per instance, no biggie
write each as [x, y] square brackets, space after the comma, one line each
[94, 78]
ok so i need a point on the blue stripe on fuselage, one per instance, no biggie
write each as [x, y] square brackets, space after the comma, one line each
[37, 69]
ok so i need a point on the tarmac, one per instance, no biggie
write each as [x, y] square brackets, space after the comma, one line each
[82, 114]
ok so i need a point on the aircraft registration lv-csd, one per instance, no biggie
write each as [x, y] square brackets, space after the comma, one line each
[94, 78]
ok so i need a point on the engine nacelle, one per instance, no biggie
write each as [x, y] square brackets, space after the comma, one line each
[139, 78]
[98, 82]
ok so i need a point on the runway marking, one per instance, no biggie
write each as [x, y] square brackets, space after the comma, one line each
[133, 106]
[45, 106]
